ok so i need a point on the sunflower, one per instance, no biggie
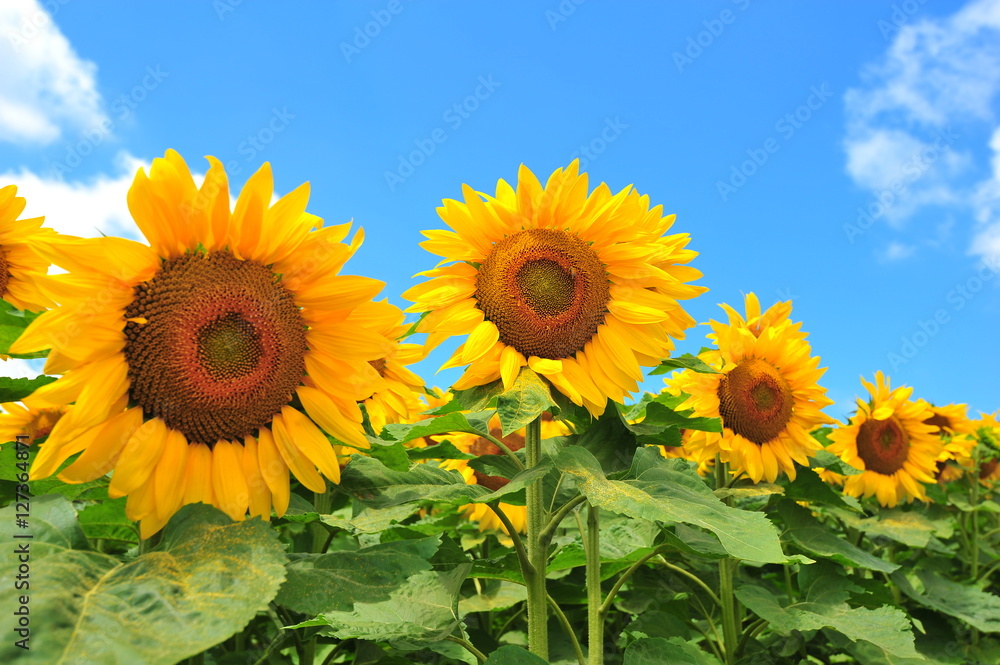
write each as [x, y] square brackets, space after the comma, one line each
[581, 288]
[199, 363]
[684, 451]
[26, 418]
[20, 264]
[890, 441]
[478, 446]
[396, 398]
[766, 395]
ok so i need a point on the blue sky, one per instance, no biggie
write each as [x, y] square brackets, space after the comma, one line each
[843, 155]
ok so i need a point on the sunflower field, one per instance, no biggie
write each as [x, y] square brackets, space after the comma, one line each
[228, 460]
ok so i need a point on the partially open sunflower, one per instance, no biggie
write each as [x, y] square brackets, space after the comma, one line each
[20, 264]
[198, 364]
[582, 287]
[890, 439]
[766, 394]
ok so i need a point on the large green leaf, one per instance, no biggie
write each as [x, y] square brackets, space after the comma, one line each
[334, 582]
[660, 651]
[423, 609]
[511, 655]
[374, 484]
[204, 583]
[824, 605]
[979, 609]
[528, 398]
[669, 491]
[807, 532]
[904, 526]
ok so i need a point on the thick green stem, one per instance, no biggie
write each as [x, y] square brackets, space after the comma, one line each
[595, 618]
[322, 502]
[974, 515]
[727, 575]
[538, 636]
[730, 630]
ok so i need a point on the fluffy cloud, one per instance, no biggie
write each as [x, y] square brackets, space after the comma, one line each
[45, 87]
[914, 125]
[85, 209]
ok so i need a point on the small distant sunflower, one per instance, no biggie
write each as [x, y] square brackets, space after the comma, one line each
[20, 264]
[198, 364]
[396, 397]
[26, 418]
[890, 441]
[582, 288]
[767, 396]
[478, 446]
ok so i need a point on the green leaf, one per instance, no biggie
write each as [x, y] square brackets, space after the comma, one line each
[511, 655]
[14, 390]
[496, 595]
[675, 651]
[12, 323]
[203, 584]
[106, 520]
[376, 485]
[808, 486]
[505, 567]
[904, 526]
[807, 532]
[518, 483]
[825, 606]
[528, 398]
[443, 450]
[452, 422]
[686, 361]
[610, 440]
[477, 398]
[393, 457]
[824, 459]
[660, 417]
[979, 609]
[669, 491]
[423, 609]
[334, 582]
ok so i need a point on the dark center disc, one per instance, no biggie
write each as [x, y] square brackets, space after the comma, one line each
[545, 290]
[222, 349]
[883, 445]
[4, 271]
[755, 401]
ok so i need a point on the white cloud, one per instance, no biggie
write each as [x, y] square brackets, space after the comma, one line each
[45, 86]
[918, 119]
[84, 209]
[897, 251]
[16, 368]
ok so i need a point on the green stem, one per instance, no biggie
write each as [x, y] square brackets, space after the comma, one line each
[308, 654]
[595, 618]
[538, 637]
[751, 632]
[522, 555]
[727, 572]
[480, 656]
[693, 578]
[502, 446]
[559, 516]
[974, 515]
[322, 502]
[568, 629]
